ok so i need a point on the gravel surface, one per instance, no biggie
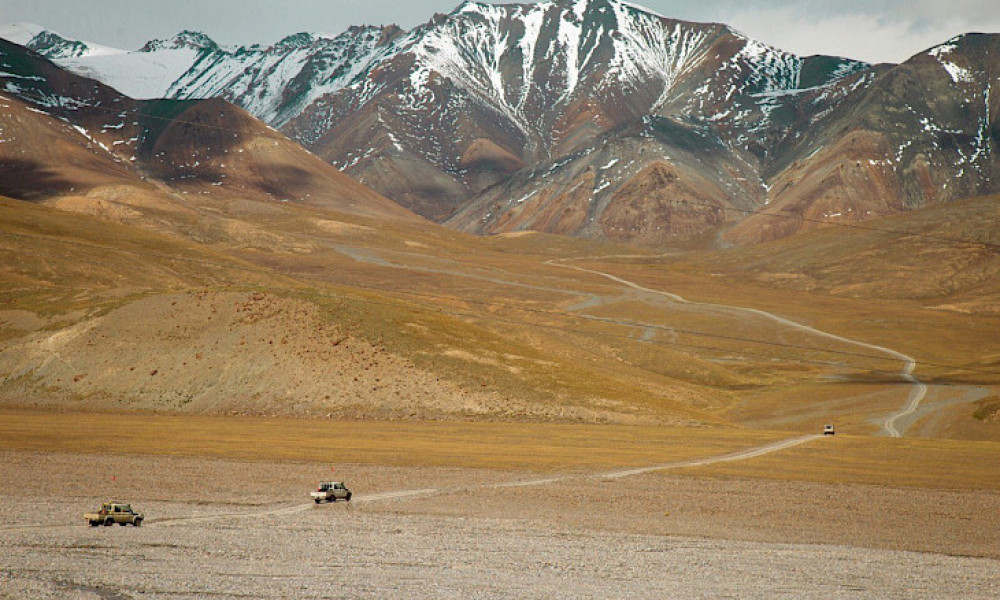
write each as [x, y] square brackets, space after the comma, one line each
[230, 529]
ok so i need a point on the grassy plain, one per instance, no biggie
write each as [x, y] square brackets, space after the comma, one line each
[920, 463]
[911, 462]
[527, 446]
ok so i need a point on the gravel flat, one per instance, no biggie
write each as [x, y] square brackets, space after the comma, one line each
[231, 529]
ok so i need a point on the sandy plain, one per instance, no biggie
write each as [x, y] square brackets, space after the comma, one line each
[225, 528]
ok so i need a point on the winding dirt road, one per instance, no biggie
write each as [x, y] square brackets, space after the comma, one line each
[918, 389]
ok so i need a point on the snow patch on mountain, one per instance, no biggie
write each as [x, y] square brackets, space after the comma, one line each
[647, 45]
[957, 73]
[140, 75]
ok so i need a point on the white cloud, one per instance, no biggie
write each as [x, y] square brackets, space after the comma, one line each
[874, 33]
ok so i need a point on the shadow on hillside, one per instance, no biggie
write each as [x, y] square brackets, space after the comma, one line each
[24, 179]
[283, 181]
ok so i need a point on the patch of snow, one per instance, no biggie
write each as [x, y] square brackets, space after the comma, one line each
[140, 75]
[16, 76]
[395, 141]
[522, 199]
[957, 73]
[646, 45]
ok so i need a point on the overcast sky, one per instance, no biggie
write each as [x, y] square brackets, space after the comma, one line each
[872, 30]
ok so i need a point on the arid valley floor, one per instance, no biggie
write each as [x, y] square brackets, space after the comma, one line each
[465, 520]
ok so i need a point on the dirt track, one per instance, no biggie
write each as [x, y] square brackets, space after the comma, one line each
[918, 389]
[655, 534]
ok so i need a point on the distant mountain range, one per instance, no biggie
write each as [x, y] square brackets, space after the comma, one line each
[597, 118]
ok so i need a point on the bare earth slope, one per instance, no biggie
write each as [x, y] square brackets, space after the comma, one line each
[329, 299]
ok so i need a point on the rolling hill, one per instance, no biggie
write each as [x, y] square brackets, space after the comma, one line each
[180, 256]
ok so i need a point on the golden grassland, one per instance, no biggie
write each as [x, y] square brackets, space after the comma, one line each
[529, 446]
[907, 462]
[922, 463]
[493, 314]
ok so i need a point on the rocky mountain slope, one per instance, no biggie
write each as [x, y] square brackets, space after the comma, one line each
[601, 119]
[488, 92]
[73, 142]
[920, 133]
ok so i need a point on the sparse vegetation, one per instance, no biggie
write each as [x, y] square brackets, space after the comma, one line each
[988, 409]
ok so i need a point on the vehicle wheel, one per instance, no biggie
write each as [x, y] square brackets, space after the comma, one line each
[93, 523]
[137, 522]
[316, 500]
[347, 498]
[109, 522]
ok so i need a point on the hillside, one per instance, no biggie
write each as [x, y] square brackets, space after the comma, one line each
[205, 263]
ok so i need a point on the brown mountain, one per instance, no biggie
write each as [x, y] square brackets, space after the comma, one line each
[75, 143]
[600, 119]
[920, 133]
[576, 101]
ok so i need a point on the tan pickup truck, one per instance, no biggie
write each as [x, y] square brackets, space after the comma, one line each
[114, 512]
[331, 491]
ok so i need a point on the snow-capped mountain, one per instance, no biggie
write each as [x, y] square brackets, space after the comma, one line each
[276, 83]
[923, 132]
[599, 118]
[50, 44]
[473, 96]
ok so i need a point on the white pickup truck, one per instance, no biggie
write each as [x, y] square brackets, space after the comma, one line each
[331, 491]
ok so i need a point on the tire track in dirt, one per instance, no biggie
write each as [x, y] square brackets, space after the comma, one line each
[403, 495]
[918, 389]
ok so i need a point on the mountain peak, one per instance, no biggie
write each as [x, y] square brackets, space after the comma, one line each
[51, 44]
[296, 40]
[194, 40]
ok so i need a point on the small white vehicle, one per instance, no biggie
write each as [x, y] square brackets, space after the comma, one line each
[828, 430]
[331, 491]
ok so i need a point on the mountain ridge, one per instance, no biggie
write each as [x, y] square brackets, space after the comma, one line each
[457, 119]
